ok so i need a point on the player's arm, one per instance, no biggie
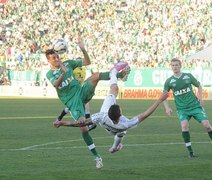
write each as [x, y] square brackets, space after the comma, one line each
[167, 107]
[61, 78]
[199, 95]
[152, 108]
[94, 119]
[78, 123]
[197, 84]
[86, 60]
[81, 122]
[165, 102]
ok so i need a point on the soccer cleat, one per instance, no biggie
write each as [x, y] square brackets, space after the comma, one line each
[119, 66]
[113, 150]
[191, 155]
[91, 127]
[125, 72]
[99, 163]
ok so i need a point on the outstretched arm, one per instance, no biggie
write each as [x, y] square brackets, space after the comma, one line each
[86, 60]
[152, 108]
[79, 123]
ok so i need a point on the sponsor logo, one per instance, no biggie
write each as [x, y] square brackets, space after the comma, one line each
[182, 91]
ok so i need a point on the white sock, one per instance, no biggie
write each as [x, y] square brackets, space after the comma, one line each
[113, 78]
[66, 110]
[117, 141]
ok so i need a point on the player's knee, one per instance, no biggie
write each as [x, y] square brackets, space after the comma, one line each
[184, 125]
[207, 125]
[94, 78]
[122, 134]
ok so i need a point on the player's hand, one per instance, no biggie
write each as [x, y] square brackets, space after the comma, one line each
[63, 68]
[57, 124]
[80, 43]
[169, 111]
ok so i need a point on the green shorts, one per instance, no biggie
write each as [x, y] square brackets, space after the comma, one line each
[198, 114]
[76, 104]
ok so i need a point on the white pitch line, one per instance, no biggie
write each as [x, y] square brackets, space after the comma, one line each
[39, 146]
[102, 146]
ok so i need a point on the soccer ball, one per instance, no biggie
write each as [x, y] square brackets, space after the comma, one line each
[60, 46]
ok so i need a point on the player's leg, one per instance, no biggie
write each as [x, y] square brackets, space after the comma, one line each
[77, 111]
[117, 145]
[186, 137]
[122, 68]
[201, 116]
[91, 146]
[111, 97]
[208, 127]
[88, 115]
[62, 114]
[184, 117]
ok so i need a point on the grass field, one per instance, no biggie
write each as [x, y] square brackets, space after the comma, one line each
[31, 148]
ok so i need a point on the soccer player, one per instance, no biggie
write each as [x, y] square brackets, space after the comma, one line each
[80, 75]
[187, 104]
[70, 91]
[110, 116]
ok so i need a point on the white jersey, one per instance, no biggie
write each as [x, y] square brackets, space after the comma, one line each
[124, 123]
[103, 119]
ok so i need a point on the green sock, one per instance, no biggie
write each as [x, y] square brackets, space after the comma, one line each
[89, 141]
[186, 137]
[210, 134]
[120, 74]
[106, 75]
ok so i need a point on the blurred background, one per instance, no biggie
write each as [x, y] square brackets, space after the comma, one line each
[145, 33]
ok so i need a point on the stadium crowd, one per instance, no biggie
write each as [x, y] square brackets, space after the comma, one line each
[146, 33]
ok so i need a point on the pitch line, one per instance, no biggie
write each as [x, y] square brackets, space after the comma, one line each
[40, 146]
[95, 138]
[34, 148]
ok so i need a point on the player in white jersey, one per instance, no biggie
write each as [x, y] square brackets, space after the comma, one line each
[110, 117]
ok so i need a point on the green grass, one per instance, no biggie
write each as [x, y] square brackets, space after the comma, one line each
[31, 148]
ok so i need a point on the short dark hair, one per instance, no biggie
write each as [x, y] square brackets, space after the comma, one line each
[176, 60]
[49, 52]
[114, 112]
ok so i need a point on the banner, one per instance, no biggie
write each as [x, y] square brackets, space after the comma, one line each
[156, 77]
[149, 93]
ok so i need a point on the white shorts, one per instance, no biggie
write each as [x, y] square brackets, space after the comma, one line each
[109, 101]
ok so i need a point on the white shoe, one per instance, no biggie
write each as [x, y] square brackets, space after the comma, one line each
[99, 163]
[113, 150]
[125, 72]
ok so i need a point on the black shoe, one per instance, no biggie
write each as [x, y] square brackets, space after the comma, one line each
[191, 155]
[91, 127]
